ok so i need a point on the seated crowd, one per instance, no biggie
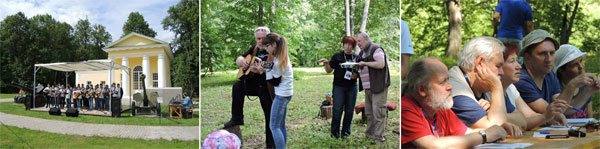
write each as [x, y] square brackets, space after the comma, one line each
[488, 95]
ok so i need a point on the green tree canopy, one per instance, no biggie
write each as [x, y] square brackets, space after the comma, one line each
[136, 23]
[42, 39]
[183, 20]
[313, 28]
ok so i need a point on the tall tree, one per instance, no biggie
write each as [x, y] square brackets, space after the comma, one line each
[363, 25]
[91, 39]
[83, 38]
[100, 38]
[454, 27]
[260, 13]
[136, 23]
[183, 20]
[352, 8]
[567, 24]
[15, 40]
[348, 32]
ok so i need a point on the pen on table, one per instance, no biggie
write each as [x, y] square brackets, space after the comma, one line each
[553, 132]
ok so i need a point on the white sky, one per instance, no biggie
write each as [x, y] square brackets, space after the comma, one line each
[112, 14]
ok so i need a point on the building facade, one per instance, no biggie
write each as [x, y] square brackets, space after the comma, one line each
[143, 55]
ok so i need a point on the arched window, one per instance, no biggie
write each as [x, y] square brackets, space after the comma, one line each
[137, 77]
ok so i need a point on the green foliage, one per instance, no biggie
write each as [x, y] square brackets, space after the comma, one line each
[183, 20]
[42, 39]
[313, 28]
[136, 23]
[428, 22]
[40, 139]
[91, 38]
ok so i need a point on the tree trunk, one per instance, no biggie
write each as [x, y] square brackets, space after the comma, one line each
[210, 65]
[363, 25]
[568, 24]
[454, 28]
[352, 8]
[348, 18]
[274, 7]
[260, 13]
[274, 11]
[572, 20]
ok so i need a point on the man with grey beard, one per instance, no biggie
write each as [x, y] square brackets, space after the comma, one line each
[427, 121]
[478, 94]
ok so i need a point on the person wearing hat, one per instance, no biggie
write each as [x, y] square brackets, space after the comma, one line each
[517, 111]
[538, 85]
[569, 65]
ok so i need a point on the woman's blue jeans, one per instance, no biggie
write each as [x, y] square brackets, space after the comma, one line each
[344, 99]
[278, 114]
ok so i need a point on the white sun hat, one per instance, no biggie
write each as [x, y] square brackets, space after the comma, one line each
[565, 54]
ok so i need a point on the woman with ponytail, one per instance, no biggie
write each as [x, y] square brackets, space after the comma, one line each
[281, 76]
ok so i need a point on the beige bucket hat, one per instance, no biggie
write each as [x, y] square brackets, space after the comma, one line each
[535, 37]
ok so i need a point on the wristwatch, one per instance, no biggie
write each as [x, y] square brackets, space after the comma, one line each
[482, 132]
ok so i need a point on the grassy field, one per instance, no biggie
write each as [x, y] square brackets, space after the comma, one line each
[39, 139]
[126, 119]
[11, 96]
[305, 129]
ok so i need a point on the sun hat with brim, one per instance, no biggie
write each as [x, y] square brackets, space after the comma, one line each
[535, 37]
[565, 54]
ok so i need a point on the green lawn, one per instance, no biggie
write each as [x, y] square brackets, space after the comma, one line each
[305, 130]
[126, 119]
[11, 96]
[39, 139]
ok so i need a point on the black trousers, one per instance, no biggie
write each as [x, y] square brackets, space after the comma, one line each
[48, 100]
[239, 93]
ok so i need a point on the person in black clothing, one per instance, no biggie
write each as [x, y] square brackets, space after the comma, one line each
[253, 84]
[344, 86]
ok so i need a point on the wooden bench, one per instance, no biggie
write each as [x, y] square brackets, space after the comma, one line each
[189, 113]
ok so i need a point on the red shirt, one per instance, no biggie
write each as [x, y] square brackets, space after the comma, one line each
[415, 125]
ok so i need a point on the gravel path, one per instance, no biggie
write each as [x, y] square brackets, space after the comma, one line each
[185, 133]
[7, 100]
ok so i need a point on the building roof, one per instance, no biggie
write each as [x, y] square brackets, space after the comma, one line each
[160, 43]
[90, 65]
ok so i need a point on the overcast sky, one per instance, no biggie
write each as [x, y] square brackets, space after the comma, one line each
[112, 14]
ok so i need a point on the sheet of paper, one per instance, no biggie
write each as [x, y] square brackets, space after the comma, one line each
[557, 128]
[539, 134]
[504, 145]
[579, 120]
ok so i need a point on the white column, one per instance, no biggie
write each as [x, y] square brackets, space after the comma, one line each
[125, 78]
[111, 74]
[146, 70]
[161, 71]
[76, 78]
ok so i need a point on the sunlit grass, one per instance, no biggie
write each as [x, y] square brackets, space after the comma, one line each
[305, 129]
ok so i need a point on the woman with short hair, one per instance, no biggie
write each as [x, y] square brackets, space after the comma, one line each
[344, 86]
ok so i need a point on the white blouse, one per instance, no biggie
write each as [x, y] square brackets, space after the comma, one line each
[285, 88]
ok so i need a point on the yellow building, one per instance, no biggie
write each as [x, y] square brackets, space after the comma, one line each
[143, 55]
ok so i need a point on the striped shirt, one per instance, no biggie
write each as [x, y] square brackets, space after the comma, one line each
[364, 71]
